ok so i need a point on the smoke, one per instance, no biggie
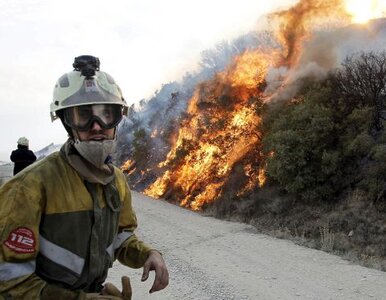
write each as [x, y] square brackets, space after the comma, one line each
[296, 24]
[316, 37]
[321, 54]
[277, 90]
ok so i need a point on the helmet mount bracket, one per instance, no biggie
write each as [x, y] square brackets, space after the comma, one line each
[87, 65]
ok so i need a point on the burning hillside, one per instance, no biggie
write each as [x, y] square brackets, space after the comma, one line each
[213, 146]
[221, 130]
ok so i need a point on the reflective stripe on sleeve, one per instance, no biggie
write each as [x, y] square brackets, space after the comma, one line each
[119, 239]
[10, 271]
[61, 256]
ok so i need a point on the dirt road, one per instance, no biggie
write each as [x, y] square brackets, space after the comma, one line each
[214, 259]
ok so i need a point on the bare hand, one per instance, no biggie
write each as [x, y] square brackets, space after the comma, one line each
[156, 263]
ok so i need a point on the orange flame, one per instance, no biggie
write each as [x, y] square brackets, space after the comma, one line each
[222, 129]
[128, 166]
[218, 146]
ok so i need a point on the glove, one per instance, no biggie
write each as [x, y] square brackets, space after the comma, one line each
[111, 290]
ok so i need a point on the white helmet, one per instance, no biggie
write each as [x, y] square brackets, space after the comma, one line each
[23, 141]
[85, 85]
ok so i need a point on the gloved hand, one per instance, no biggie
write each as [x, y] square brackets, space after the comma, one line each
[111, 290]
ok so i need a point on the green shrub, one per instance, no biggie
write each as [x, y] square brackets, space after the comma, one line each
[302, 138]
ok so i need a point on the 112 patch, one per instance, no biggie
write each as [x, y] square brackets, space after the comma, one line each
[21, 240]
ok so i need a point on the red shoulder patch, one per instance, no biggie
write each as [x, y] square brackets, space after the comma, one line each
[21, 240]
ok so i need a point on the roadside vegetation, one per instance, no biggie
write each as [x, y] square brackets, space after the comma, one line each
[326, 175]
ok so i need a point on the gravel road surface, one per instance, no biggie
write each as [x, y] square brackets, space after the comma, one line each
[214, 259]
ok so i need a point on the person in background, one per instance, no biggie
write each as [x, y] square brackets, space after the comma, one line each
[22, 156]
[68, 217]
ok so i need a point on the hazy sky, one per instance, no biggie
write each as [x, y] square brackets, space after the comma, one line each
[141, 43]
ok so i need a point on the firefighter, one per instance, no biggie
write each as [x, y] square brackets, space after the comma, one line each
[64, 220]
[22, 156]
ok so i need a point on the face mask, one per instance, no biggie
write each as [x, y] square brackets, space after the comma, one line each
[95, 152]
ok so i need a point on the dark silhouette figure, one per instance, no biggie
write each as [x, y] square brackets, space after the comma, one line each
[22, 156]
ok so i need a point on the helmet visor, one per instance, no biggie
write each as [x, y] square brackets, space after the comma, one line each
[82, 117]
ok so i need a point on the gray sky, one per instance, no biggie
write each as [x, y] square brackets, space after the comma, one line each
[141, 43]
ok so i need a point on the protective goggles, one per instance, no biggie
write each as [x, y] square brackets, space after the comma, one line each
[82, 117]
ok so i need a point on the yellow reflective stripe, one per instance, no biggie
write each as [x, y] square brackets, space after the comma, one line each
[61, 256]
[10, 271]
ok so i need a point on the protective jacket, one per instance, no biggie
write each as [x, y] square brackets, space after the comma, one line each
[56, 229]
